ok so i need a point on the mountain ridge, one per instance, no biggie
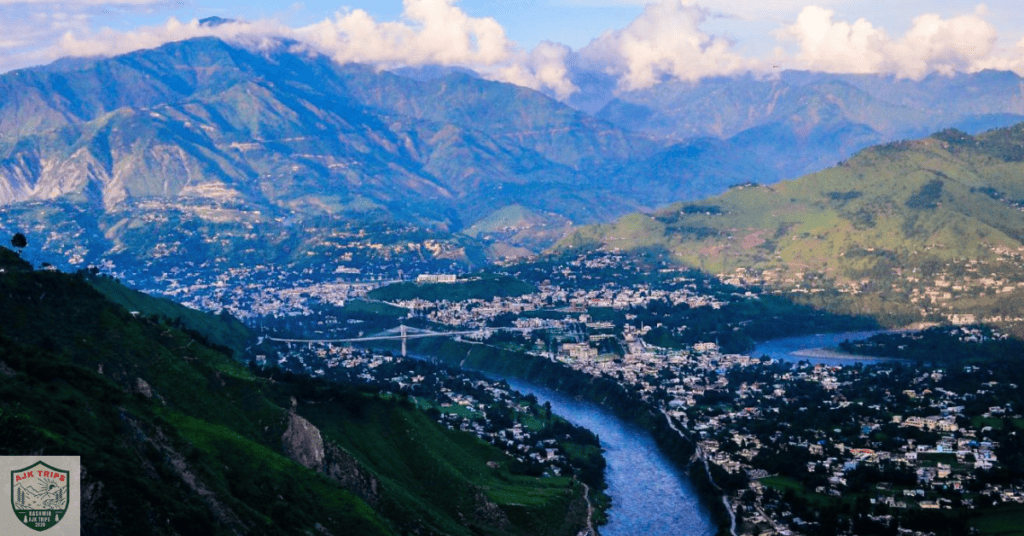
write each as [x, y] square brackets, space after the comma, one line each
[790, 111]
[293, 135]
[927, 229]
[194, 130]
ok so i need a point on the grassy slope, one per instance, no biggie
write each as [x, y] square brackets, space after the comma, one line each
[435, 462]
[1008, 521]
[71, 367]
[204, 454]
[870, 217]
[221, 329]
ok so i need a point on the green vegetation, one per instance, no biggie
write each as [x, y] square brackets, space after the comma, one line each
[951, 346]
[368, 310]
[1006, 521]
[998, 424]
[785, 483]
[877, 234]
[177, 437]
[220, 329]
[429, 464]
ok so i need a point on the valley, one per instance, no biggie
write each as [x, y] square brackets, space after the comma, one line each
[294, 295]
[864, 453]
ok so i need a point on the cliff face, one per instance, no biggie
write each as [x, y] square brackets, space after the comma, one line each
[343, 468]
[303, 443]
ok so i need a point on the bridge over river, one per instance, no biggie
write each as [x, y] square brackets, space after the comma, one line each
[403, 333]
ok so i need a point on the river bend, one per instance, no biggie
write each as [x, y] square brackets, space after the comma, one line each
[650, 496]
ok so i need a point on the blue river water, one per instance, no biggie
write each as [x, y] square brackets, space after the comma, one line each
[817, 349]
[650, 496]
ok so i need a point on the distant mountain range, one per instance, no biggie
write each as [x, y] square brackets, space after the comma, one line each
[293, 134]
[926, 229]
[111, 156]
[289, 130]
[813, 119]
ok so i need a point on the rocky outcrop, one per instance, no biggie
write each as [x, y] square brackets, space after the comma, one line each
[483, 512]
[6, 370]
[304, 444]
[143, 388]
[145, 440]
[343, 468]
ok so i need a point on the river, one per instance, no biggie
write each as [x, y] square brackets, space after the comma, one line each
[817, 349]
[650, 496]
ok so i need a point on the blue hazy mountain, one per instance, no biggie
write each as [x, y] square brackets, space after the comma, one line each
[814, 119]
[169, 138]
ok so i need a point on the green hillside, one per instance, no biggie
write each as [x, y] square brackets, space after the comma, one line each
[482, 287]
[219, 329]
[178, 438]
[913, 230]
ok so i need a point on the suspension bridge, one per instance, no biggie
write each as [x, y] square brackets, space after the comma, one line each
[403, 333]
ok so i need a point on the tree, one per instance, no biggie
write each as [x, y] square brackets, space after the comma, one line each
[19, 241]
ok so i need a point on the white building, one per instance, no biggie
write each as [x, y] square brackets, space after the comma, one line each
[436, 278]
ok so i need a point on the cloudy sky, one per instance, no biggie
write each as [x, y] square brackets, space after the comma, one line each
[531, 42]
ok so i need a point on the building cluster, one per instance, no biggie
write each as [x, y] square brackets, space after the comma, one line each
[948, 292]
[901, 436]
[895, 437]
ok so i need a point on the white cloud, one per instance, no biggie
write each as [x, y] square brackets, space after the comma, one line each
[430, 32]
[932, 44]
[438, 32]
[435, 31]
[25, 29]
[668, 39]
[108, 42]
[543, 68]
[665, 40]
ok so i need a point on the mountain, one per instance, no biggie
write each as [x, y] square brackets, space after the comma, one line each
[202, 118]
[816, 119]
[930, 229]
[175, 437]
[278, 133]
[204, 151]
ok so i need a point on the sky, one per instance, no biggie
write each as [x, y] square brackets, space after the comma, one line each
[536, 43]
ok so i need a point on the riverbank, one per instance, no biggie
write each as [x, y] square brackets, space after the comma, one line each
[829, 353]
[700, 456]
[678, 448]
[821, 348]
[650, 495]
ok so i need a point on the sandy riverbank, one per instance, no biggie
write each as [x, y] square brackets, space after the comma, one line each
[829, 353]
